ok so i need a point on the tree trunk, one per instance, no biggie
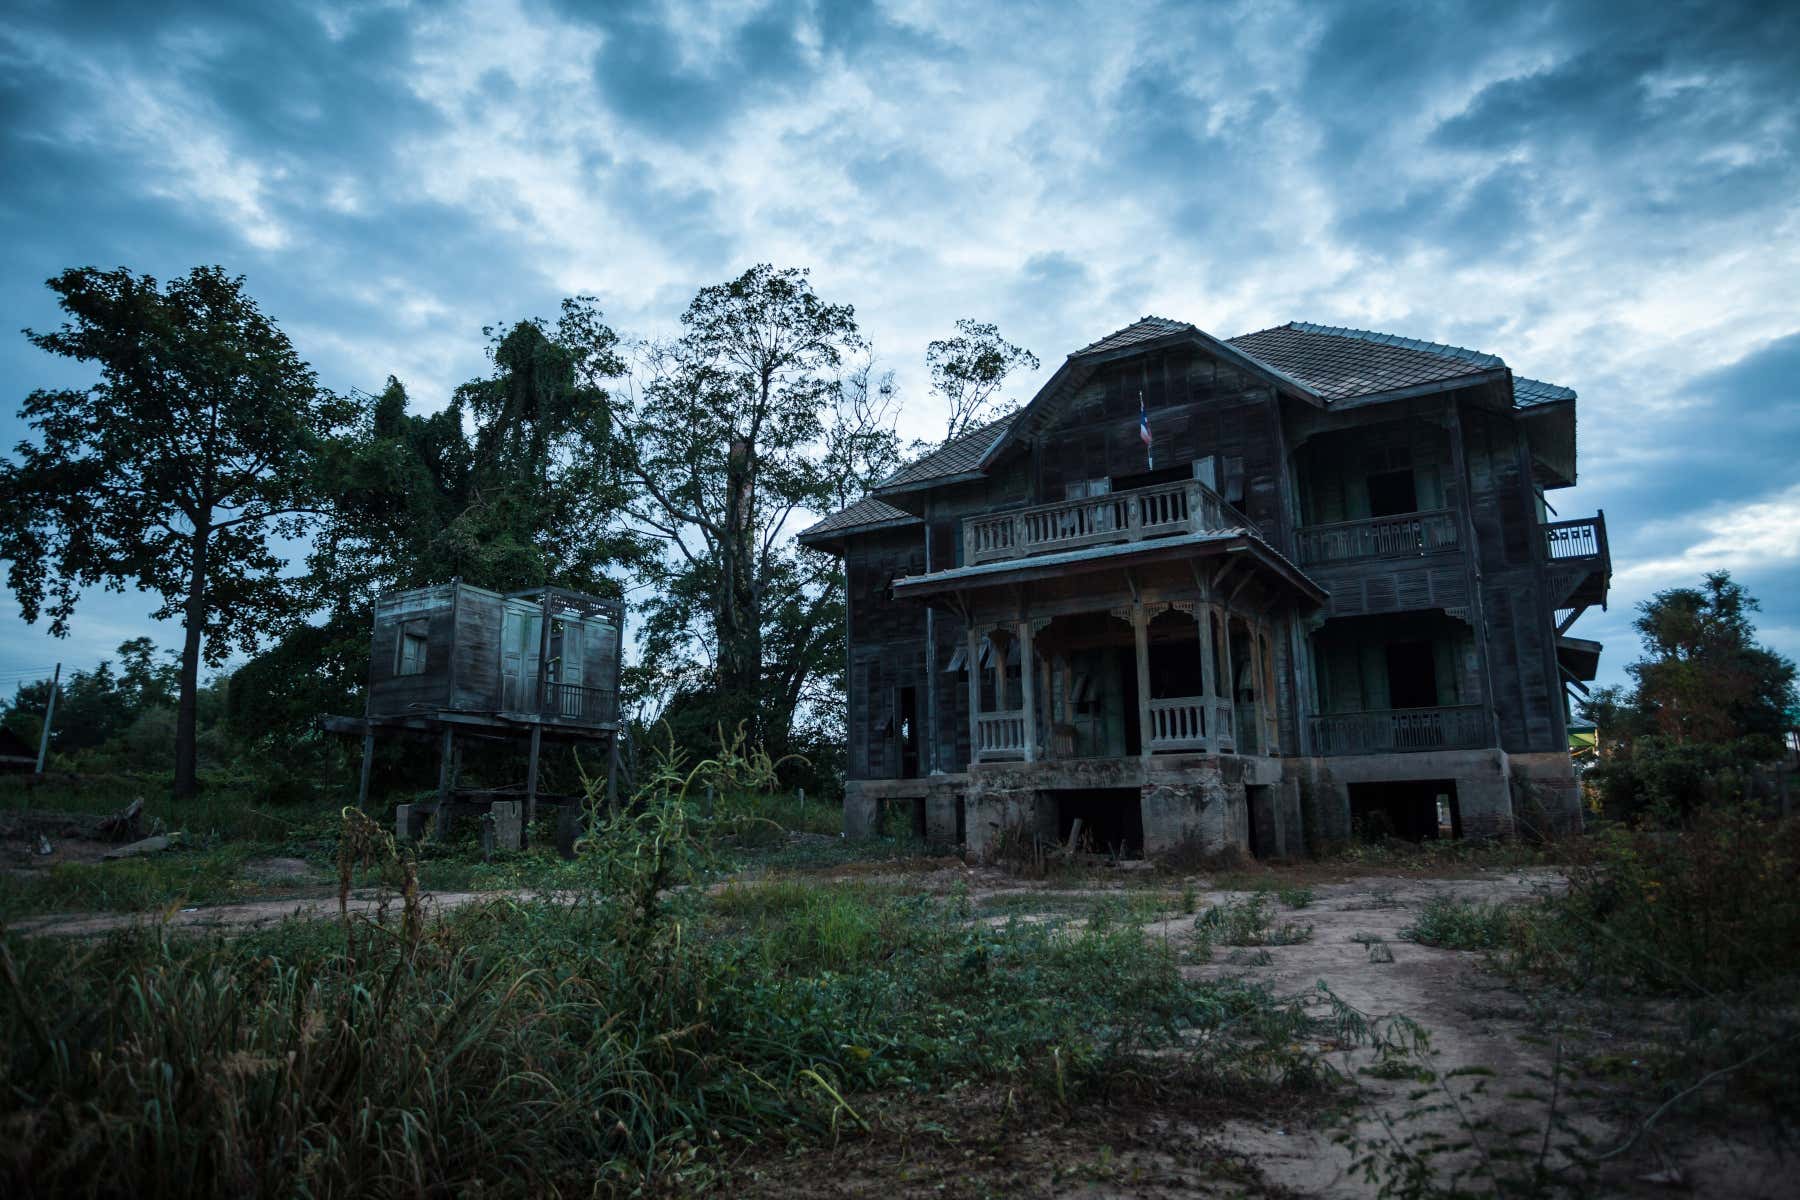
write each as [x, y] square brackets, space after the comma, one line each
[188, 706]
[739, 623]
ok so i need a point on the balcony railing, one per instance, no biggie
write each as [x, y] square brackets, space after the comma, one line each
[1400, 730]
[1185, 507]
[574, 702]
[1410, 536]
[1000, 735]
[1582, 538]
[1178, 723]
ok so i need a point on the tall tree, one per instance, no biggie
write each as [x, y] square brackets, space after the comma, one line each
[1706, 701]
[764, 408]
[968, 371]
[198, 445]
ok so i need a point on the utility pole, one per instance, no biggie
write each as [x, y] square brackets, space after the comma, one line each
[49, 715]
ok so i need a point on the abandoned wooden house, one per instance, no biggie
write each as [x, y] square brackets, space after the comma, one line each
[454, 662]
[1258, 592]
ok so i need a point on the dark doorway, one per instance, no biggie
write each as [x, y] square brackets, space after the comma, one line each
[1392, 494]
[1415, 810]
[1259, 805]
[1412, 675]
[906, 730]
[1112, 819]
[1128, 694]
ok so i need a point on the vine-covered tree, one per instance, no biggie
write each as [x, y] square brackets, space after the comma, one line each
[1706, 701]
[968, 371]
[515, 483]
[177, 472]
[764, 409]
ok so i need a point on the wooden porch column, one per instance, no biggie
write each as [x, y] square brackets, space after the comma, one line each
[1140, 630]
[1208, 710]
[1265, 641]
[1028, 690]
[1253, 633]
[974, 695]
[1000, 696]
[1229, 683]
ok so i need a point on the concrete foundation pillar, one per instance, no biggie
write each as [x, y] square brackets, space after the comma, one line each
[991, 811]
[940, 817]
[1198, 810]
[862, 812]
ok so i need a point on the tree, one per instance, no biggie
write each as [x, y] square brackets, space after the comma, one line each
[968, 371]
[1706, 701]
[200, 443]
[765, 407]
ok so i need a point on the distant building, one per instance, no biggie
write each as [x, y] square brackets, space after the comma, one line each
[1257, 592]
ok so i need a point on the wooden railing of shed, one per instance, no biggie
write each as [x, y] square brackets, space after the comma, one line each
[1400, 730]
[1185, 507]
[1410, 535]
[576, 702]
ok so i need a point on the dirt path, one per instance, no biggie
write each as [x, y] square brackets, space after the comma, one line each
[240, 918]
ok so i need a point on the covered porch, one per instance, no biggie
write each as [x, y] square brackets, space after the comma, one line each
[1176, 646]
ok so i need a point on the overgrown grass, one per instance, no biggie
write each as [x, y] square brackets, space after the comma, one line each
[1453, 923]
[171, 878]
[634, 1037]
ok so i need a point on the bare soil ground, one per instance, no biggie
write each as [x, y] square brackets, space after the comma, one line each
[1163, 1141]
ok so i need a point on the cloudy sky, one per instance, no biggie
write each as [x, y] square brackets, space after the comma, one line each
[1603, 195]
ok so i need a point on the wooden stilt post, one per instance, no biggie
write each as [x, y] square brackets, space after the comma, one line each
[612, 774]
[368, 762]
[446, 773]
[531, 779]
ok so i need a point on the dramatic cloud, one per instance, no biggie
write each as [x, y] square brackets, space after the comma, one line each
[1601, 194]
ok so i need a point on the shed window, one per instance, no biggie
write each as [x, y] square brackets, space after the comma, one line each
[413, 640]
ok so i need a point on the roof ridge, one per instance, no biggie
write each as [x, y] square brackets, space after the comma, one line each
[1168, 324]
[1480, 357]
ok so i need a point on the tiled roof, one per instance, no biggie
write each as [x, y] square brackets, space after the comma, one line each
[865, 513]
[1340, 364]
[954, 457]
[1527, 392]
[1146, 330]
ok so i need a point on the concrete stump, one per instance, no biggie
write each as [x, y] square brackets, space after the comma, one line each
[568, 828]
[409, 824]
[501, 827]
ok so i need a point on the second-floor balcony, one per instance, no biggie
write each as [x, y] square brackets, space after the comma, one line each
[1188, 506]
[1406, 535]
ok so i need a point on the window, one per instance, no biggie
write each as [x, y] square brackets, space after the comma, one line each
[1393, 491]
[413, 641]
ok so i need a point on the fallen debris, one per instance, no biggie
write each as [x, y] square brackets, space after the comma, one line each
[149, 845]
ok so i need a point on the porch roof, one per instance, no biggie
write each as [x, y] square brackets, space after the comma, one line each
[1113, 557]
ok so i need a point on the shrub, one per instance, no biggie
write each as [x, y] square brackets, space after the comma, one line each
[1249, 922]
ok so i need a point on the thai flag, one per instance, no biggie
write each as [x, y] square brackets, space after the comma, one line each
[1144, 431]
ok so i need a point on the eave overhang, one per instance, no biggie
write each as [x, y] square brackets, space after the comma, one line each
[1099, 559]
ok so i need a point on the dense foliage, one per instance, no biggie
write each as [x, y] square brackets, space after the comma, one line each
[202, 444]
[1707, 705]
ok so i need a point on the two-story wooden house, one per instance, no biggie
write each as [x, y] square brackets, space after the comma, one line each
[1257, 592]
